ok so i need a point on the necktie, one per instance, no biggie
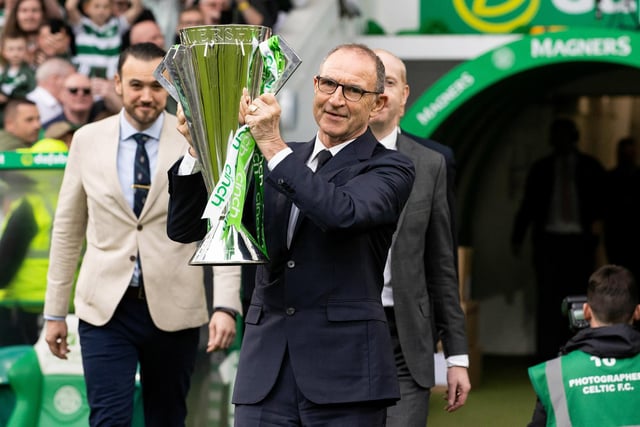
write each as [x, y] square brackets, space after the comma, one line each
[141, 173]
[323, 157]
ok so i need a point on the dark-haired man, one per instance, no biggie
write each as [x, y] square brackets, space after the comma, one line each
[21, 125]
[138, 300]
[595, 381]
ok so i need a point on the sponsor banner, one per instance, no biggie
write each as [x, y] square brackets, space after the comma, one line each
[13, 160]
[509, 16]
[470, 78]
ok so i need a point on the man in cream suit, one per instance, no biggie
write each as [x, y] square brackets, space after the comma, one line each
[420, 291]
[137, 298]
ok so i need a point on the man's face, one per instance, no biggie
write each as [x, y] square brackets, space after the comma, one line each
[99, 11]
[211, 9]
[396, 90]
[76, 96]
[29, 16]
[146, 31]
[26, 123]
[53, 44]
[338, 118]
[118, 7]
[190, 18]
[14, 50]
[143, 97]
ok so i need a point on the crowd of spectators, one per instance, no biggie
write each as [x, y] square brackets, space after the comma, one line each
[62, 54]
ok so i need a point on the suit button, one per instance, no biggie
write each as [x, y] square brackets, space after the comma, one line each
[139, 227]
[291, 263]
[280, 181]
[132, 258]
[291, 311]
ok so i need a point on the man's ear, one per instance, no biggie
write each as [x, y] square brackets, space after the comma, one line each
[586, 311]
[118, 84]
[379, 104]
[636, 314]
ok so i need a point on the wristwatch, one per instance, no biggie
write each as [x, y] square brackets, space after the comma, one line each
[231, 312]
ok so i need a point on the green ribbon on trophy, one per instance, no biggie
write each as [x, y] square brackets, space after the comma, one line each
[208, 71]
[274, 64]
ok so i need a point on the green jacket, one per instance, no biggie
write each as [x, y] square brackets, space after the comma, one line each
[580, 389]
[26, 288]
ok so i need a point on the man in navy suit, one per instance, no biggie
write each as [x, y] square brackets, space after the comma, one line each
[316, 349]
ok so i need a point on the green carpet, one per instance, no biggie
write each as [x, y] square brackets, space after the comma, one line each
[503, 398]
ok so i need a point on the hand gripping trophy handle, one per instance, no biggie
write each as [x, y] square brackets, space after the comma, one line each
[206, 74]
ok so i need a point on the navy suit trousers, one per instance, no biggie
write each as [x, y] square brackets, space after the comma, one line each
[110, 357]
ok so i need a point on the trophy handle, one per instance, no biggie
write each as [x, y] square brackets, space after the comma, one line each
[159, 74]
[292, 62]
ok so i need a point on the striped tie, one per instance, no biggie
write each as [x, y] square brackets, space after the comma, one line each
[141, 173]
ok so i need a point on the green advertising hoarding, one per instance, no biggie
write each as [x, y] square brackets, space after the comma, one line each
[509, 16]
[14, 160]
[471, 78]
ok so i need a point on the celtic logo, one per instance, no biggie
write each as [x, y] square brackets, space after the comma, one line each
[497, 18]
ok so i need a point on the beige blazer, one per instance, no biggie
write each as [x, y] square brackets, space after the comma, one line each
[91, 205]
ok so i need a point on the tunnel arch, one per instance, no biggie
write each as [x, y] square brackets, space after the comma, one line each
[469, 106]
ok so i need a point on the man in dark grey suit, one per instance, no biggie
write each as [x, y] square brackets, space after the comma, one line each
[421, 290]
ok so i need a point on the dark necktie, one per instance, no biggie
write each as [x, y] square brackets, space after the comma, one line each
[323, 157]
[141, 174]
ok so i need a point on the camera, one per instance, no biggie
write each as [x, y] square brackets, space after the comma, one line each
[572, 309]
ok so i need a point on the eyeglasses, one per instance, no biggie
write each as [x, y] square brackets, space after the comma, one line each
[351, 93]
[83, 90]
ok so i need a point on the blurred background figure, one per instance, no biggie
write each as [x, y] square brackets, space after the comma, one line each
[98, 34]
[146, 31]
[166, 14]
[16, 75]
[78, 105]
[622, 209]
[57, 138]
[191, 16]
[50, 77]
[55, 40]
[563, 205]
[21, 125]
[25, 18]
[25, 232]
[256, 12]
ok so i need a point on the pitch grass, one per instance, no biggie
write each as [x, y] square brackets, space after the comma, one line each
[503, 398]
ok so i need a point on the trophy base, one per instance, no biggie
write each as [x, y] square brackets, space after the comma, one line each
[236, 248]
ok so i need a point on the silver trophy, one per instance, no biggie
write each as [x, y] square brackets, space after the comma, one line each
[206, 74]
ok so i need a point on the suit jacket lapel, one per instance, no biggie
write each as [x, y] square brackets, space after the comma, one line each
[168, 151]
[302, 153]
[108, 149]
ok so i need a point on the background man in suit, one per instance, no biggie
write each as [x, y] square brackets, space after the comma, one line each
[137, 298]
[450, 161]
[421, 289]
[316, 349]
[563, 202]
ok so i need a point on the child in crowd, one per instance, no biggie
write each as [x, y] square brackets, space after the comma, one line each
[98, 34]
[55, 39]
[16, 76]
